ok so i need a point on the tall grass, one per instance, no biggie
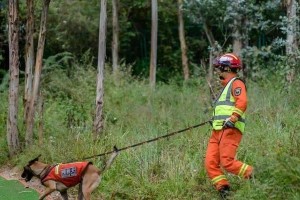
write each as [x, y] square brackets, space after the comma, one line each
[170, 168]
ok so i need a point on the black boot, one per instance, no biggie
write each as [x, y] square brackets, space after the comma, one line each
[224, 192]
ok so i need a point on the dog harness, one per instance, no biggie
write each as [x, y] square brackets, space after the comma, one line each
[69, 174]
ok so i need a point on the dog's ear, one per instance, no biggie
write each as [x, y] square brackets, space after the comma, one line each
[33, 160]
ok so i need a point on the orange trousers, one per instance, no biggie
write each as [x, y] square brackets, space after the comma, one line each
[221, 152]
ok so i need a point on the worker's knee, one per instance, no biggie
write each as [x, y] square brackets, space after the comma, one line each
[211, 164]
[226, 163]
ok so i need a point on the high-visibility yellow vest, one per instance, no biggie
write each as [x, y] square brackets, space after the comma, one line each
[224, 107]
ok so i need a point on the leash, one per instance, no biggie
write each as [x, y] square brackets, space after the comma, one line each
[148, 141]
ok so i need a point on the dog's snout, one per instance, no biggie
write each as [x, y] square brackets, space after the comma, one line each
[27, 175]
[23, 175]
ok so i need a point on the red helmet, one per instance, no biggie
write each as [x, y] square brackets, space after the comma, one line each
[228, 60]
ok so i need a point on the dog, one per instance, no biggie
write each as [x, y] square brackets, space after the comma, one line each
[61, 177]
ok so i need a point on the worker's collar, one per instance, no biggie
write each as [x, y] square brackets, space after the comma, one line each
[227, 78]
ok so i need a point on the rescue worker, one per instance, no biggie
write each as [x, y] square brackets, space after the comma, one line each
[228, 124]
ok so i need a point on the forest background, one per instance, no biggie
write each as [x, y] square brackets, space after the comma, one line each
[264, 33]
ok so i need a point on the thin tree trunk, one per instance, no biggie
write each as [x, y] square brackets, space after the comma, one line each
[209, 80]
[237, 6]
[153, 56]
[213, 53]
[29, 55]
[37, 74]
[237, 37]
[210, 69]
[115, 42]
[209, 35]
[98, 120]
[41, 118]
[184, 58]
[291, 38]
[13, 40]
[245, 43]
[291, 46]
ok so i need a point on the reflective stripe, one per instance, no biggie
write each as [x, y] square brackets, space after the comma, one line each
[226, 103]
[228, 95]
[223, 117]
[218, 178]
[243, 170]
[238, 111]
[57, 169]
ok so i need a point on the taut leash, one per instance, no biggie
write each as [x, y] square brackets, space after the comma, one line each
[148, 141]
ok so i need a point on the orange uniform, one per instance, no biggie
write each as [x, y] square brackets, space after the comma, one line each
[223, 143]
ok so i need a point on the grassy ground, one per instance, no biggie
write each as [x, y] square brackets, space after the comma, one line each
[171, 168]
[13, 189]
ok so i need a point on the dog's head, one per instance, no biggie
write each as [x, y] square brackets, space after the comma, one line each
[27, 171]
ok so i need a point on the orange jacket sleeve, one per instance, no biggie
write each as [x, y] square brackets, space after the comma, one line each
[240, 95]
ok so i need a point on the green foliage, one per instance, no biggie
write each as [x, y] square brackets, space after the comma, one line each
[263, 29]
[271, 143]
[3, 117]
[170, 168]
[73, 27]
[3, 31]
[4, 81]
[60, 60]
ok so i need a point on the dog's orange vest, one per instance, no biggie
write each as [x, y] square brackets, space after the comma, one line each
[69, 174]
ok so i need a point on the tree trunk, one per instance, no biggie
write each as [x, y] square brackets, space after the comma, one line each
[240, 32]
[245, 43]
[213, 53]
[13, 40]
[98, 120]
[41, 119]
[29, 56]
[115, 42]
[237, 37]
[291, 46]
[209, 35]
[291, 39]
[153, 56]
[184, 57]
[37, 74]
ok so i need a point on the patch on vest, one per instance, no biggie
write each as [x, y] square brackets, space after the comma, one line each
[237, 91]
[69, 172]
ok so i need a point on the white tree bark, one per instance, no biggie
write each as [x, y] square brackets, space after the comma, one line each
[291, 38]
[98, 120]
[292, 28]
[37, 74]
[184, 58]
[237, 32]
[115, 42]
[29, 56]
[153, 56]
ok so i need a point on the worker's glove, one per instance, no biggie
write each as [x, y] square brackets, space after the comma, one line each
[228, 123]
